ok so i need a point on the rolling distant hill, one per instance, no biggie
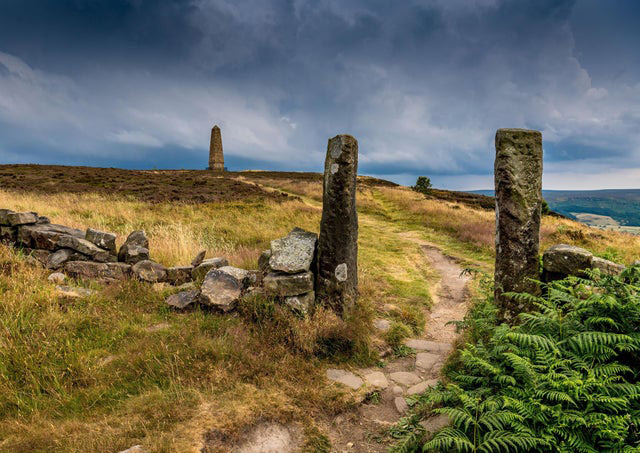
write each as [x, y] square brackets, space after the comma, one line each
[594, 206]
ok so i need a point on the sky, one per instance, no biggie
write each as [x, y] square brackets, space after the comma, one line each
[422, 84]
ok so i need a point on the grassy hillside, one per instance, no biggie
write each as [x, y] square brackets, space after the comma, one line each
[117, 368]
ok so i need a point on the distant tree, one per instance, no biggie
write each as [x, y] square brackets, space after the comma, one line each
[545, 207]
[423, 185]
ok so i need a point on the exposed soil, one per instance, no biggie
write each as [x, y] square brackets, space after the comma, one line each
[450, 295]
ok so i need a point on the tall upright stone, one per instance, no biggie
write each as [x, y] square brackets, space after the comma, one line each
[216, 158]
[337, 275]
[518, 190]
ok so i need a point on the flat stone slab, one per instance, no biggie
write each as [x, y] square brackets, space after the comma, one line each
[382, 324]
[422, 387]
[345, 378]
[294, 253]
[134, 449]
[401, 405]
[269, 437]
[183, 299]
[433, 424]
[405, 378]
[57, 277]
[71, 292]
[426, 360]
[427, 345]
[377, 379]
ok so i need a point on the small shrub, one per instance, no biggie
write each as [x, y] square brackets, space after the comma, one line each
[396, 333]
[423, 185]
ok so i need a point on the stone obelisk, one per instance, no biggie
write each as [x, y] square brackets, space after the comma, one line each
[518, 184]
[337, 260]
[216, 158]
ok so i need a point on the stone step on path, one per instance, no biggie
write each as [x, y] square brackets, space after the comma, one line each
[406, 382]
[345, 377]
[428, 346]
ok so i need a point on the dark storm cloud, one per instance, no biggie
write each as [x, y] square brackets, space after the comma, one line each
[422, 84]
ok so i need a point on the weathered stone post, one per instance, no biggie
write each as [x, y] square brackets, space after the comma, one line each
[337, 275]
[518, 187]
[216, 158]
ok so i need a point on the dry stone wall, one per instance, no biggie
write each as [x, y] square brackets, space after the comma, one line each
[89, 254]
[285, 274]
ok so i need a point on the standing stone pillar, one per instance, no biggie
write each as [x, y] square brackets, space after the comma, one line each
[337, 275]
[216, 158]
[518, 187]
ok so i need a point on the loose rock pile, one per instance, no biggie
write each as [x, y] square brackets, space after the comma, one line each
[285, 274]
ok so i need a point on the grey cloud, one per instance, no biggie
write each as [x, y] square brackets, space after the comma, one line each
[422, 84]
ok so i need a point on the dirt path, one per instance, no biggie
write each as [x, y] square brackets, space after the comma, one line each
[363, 429]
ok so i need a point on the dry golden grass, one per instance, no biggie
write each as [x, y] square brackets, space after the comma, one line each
[177, 232]
[474, 229]
[94, 374]
[89, 374]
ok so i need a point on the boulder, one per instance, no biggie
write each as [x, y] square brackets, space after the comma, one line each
[102, 239]
[45, 236]
[288, 284]
[606, 266]
[183, 299]
[93, 270]
[566, 259]
[41, 255]
[21, 218]
[57, 259]
[197, 260]
[246, 278]
[179, 275]
[201, 270]
[220, 290]
[149, 271]
[293, 253]
[4, 219]
[135, 248]
[302, 304]
[86, 247]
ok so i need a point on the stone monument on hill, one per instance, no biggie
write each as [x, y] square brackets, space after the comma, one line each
[216, 158]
